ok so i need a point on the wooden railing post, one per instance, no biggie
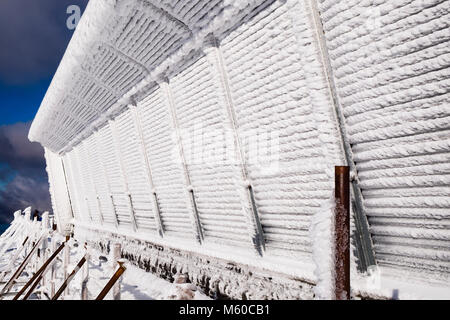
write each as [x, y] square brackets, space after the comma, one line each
[342, 233]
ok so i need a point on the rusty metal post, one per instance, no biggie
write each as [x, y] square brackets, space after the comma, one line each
[25, 241]
[342, 232]
[22, 266]
[38, 274]
[69, 278]
[34, 285]
[112, 281]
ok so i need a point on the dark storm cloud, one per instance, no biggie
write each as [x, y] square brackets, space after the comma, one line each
[33, 38]
[17, 151]
[23, 192]
[23, 165]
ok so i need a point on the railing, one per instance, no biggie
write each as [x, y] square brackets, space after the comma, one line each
[34, 255]
[30, 254]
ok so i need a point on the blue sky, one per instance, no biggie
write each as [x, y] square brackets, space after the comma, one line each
[33, 39]
[19, 103]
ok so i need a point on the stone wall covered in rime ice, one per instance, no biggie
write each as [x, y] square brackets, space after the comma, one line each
[211, 128]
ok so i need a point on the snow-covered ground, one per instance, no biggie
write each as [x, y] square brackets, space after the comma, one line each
[136, 284]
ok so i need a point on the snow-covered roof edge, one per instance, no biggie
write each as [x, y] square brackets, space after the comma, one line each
[94, 18]
[95, 22]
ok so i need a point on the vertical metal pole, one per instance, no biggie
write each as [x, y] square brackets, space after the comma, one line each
[45, 226]
[69, 278]
[36, 261]
[364, 245]
[154, 199]
[53, 267]
[90, 172]
[342, 232]
[107, 180]
[245, 189]
[66, 182]
[79, 163]
[85, 277]
[66, 263]
[190, 194]
[116, 257]
[123, 172]
[44, 258]
[49, 169]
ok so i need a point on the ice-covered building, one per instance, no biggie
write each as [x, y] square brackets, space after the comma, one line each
[203, 136]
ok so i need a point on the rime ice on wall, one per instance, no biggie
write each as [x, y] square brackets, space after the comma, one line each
[203, 123]
[61, 201]
[279, 92]
[249, 73]
[78, 214]
[88, 185]
[391, 66]
[256, 85]
[100, 179]
[118, 47]
[74, 174]
[134, 170]
[167, 174]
